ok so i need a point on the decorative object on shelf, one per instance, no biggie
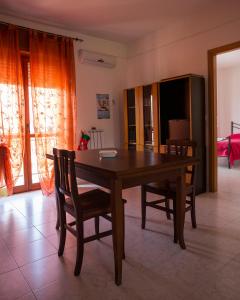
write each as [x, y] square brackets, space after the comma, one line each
[95, 138]
[83, 144]
[108, 153]
[103, 106]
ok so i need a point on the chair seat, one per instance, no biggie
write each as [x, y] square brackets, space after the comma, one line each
[166, 187]
[93, 203]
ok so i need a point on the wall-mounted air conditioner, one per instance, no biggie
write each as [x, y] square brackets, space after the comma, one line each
[97, 59]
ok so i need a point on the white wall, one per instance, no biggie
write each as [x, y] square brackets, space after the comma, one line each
[228, 98]
[92, 80]
[176, 52]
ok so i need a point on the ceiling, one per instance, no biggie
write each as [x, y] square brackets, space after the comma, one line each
[118, 20]
[229, 59]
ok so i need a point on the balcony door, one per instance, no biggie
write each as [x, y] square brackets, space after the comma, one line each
[28, 179]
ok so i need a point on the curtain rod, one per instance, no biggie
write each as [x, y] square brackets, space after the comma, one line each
[50, 33]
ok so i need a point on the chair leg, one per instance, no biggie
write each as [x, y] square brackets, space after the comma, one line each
[58, 218]
[193, 211]
[96, 220]
[57, 223]
[143, 202]
[167, 208]
[80, 248]
[62, 233]
[123, 233]
[175, 239]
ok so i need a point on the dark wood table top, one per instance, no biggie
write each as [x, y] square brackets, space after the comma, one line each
[129, 161]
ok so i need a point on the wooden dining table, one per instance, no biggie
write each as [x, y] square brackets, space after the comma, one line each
[131, 168]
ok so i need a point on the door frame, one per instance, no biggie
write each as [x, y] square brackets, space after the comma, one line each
[212, 110]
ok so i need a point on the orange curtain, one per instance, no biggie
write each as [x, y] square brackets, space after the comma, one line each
[12, 110]
[5, 168]
[52, 74]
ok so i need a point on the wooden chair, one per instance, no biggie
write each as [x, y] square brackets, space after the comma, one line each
[167, 188]
[82, 207]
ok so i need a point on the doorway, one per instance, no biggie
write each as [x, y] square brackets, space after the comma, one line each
[28, 179]
[228, 121]
[212, 97]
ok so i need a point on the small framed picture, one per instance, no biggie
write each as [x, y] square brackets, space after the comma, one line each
[103, 106]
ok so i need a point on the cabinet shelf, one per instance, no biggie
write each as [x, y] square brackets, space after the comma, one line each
[130, 119]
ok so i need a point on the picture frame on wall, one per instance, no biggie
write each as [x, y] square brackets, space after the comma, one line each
[103, 106]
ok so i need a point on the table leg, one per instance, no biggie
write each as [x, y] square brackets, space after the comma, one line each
[180, 208]
[118, 227]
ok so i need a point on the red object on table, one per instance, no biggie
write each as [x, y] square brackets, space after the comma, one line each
[83, 144]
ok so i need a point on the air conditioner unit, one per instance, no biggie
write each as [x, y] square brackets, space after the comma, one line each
[97, 59]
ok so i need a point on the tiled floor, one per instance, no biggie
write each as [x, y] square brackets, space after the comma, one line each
[154, 268]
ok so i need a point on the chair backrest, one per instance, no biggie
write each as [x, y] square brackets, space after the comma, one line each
[65, 175]
[184, 148]
[181, 147]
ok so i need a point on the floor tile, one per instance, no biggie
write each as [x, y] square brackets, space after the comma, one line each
[43, 217]
[13, 285]
[44, 271]
[220, 285]
[33, 251]
[7, 262]
[28, 296]
[22, 237]
[12, 222]
[5, 206]
[54, 240]
[47, 229]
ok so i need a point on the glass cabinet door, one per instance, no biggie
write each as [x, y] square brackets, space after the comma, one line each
[148, 117]
[131, 107]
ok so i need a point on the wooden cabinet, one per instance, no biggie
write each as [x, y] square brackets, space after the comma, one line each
[182, 114]
[141, 118]
[174, 108]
